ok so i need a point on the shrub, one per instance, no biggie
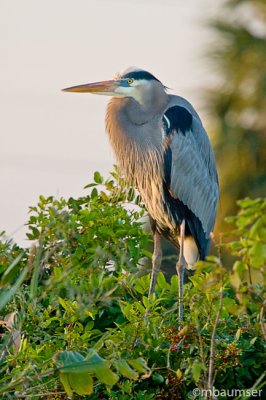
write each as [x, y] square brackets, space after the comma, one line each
[77, 322]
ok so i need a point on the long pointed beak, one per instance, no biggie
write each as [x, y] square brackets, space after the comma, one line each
[104, 87]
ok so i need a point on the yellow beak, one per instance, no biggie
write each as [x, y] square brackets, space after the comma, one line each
[104, 87]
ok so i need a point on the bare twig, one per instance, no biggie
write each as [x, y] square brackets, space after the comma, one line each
[201, 351]
[25, 396]
[168, 364]
[262, 324]
[212, 348]
[249, 274]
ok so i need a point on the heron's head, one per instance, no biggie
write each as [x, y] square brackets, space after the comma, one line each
[133, 82]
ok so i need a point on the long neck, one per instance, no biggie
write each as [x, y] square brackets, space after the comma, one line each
[135, 135]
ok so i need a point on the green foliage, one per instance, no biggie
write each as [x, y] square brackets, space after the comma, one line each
[76, 321]
[75, 371]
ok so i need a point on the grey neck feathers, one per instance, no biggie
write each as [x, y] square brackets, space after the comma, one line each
[136, 137]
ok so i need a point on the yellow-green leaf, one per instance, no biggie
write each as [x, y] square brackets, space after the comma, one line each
[81, 383]
[64, 380]
[139, 364]
[124, 369]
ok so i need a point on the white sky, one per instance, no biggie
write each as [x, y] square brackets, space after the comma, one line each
[51, 142]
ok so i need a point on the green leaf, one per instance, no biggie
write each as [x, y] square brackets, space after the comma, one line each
[237, 275]
[105, 375]
[67, 361]
[139, 364]
[140, 308]
[197, 368]
[158, 378]
[101, 368]
[238, 334]
[123, 367]
[65, 382]
[75, 369]
[253, 340]
[258, 255]
[35, 231]
[142, 284]
[104, 196]
[161, 281]
[240, 267]
[89, 326]
[90, 185]
[74, 374]
[98, 177]
[174, 285]
[82, 383]
[255, 229]
[179, 374]
[94, 193]
[146, 302]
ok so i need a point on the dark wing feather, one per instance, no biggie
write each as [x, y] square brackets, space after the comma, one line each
[190, 172]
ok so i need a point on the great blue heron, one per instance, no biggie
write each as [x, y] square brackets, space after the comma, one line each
[162, 147]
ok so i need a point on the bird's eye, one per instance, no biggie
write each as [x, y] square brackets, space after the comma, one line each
[130, 81]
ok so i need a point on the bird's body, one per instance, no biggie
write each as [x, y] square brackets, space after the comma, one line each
[163, 149]
[160, 155]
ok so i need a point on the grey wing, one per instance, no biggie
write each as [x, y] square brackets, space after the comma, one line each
[193, 177]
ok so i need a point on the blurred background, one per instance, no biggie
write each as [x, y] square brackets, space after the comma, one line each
[211, 52]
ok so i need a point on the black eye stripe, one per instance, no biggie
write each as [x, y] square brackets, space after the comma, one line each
[139, 75]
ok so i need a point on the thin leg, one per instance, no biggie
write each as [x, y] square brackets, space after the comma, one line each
[180, 268]
[156, 261]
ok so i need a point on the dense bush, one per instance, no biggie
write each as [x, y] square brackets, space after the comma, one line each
[76, 320]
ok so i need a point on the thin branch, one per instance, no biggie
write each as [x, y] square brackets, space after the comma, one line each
[249, 274]
[25, 396]
[168, 364]
[201, 350]
[212, 348]
[262, 325]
